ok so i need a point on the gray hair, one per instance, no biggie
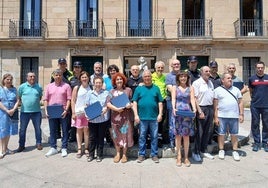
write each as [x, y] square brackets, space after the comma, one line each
[57, 71]
[159, 63]
[146, 71]
[97, 63]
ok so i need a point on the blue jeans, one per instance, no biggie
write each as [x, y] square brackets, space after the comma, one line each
[152, 125]
[171, 122]
[256, 113]
[36, 118]
[53, 128]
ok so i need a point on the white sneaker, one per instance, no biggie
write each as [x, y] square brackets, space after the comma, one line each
[52, 151]
[236, 156]
[221, 154]
[196, 157]
[207, 155]
[64, 152]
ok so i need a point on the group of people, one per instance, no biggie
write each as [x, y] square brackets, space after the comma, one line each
[189, 103]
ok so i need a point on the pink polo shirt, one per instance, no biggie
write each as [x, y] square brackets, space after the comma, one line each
[58, 94]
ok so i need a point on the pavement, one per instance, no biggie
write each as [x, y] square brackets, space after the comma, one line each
[31, 168]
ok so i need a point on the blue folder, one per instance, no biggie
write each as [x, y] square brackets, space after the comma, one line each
[239, 85]
[185, 113]
[120, 101]
[54, 111]
[93, 110]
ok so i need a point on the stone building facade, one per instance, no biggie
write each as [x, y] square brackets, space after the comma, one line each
[35, 33]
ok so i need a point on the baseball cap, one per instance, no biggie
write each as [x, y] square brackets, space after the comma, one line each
[61, 60]
[77, 64]
[192, 58]
[213, 64]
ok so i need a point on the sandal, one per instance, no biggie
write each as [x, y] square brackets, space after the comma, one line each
[87, 152]
[1, 155]
[79, 153]
[9, 152]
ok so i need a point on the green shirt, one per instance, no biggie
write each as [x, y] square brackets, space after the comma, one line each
[160, 82]
[147, 98]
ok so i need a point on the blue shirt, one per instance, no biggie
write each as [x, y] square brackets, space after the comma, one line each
[30, 96]
[92, 97]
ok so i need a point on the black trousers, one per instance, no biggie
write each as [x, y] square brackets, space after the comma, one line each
[202, 133]
[96, 138]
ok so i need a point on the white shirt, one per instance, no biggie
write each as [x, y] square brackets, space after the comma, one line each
[203, 91]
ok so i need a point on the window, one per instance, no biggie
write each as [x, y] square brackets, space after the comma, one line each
[29, 64]
[87, 24]
[30, 18]
[251, 18]
[249, 67]
[140, 18]
[193, 23]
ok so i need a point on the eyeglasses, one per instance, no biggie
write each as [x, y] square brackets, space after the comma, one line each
[176, 64]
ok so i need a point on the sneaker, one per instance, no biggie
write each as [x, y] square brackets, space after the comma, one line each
[196, 157]
[20, 149]
[256, 147]
[52, 151]
[207, 155]
[64, 152]
[221, 154]
[265, 147]
[140, 159]
[155, 159]
[236, 156]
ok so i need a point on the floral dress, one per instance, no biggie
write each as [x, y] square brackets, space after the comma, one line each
[184, 126]
[8, 97]
[122, 128]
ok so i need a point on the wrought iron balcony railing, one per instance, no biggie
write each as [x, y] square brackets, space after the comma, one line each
[85, 28]
[140, 28]
[251, 28]
[194, 28]
[27, 29]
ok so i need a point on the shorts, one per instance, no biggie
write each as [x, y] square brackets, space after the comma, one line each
[228, 124]
[80, 122]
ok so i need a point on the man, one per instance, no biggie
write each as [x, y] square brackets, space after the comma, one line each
[228, 112]
[133, 82]
[231, 70]
[30, 94]
[203, 89]
[148, 111]
[216, 80]
[258, 88]
[159, 79]
[170, 81]
[214, 76]
[192, 63]
[74, 81]
[135, 79]
[97, 72]
[66, 74]
[59, 93]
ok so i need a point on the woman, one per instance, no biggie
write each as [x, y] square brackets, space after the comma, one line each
[97, 126]
[183, 99]
[9, 103]
[111, 70]
[79, 119]
[122, 129]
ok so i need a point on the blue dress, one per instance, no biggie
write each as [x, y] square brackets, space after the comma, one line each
[8, 98]
[183, 125]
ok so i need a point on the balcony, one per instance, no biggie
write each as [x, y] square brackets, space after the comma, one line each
[85, 29]
[192, 28]
[251, 28]
[140, 29]
[27, 29]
